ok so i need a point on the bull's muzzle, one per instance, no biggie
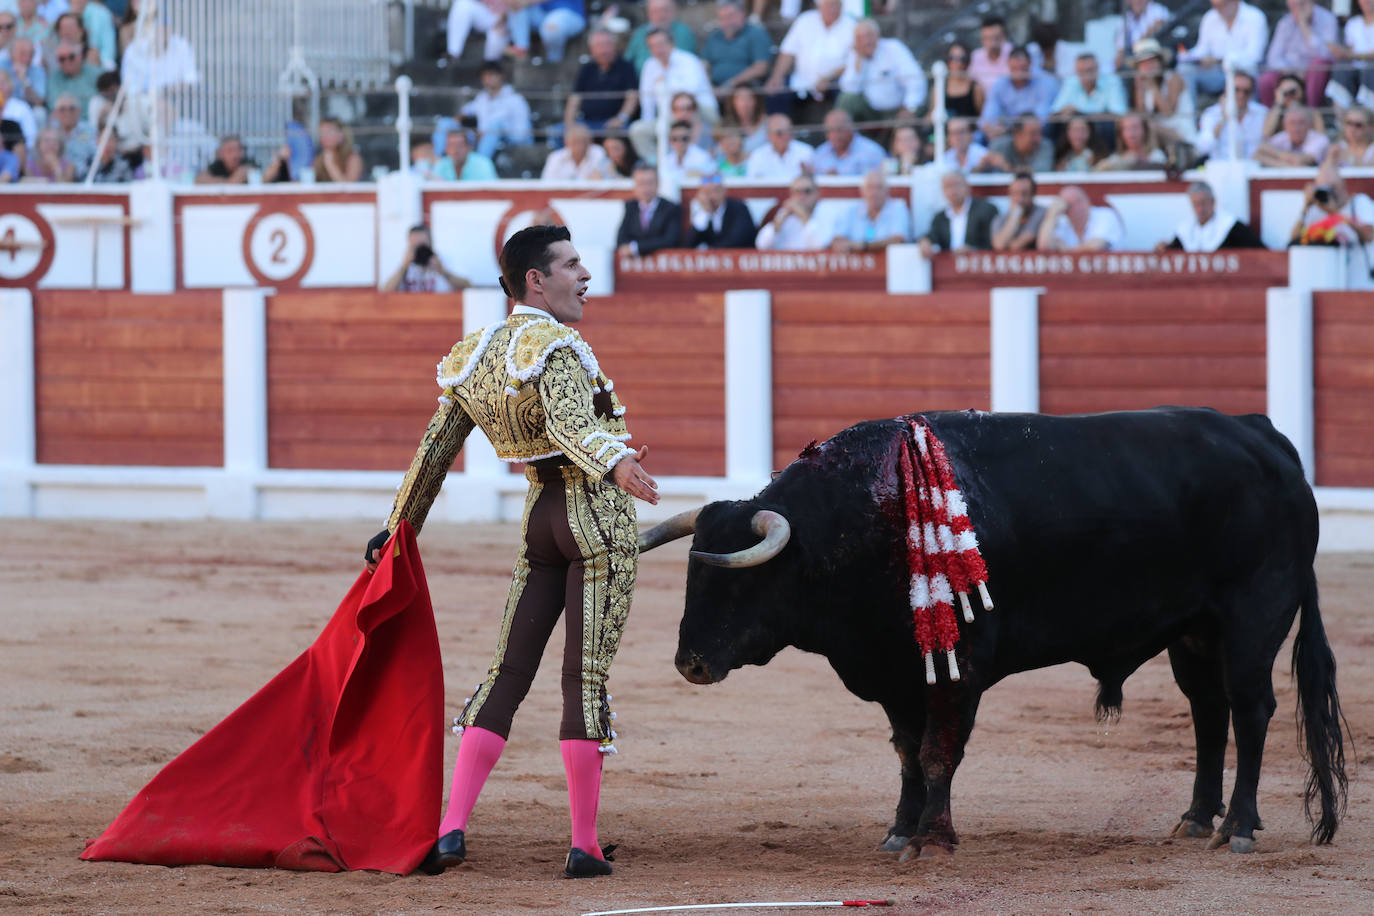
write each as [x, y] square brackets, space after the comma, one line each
[694, 669]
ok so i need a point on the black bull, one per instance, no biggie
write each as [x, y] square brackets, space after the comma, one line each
[1108, 539]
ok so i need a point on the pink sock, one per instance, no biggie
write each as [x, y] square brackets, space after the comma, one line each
[582, 762]
[477, 754]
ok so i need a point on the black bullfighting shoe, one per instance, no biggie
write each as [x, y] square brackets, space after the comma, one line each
[584, 865]
[450, 849]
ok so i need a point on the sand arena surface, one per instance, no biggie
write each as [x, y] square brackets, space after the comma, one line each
[122, 643]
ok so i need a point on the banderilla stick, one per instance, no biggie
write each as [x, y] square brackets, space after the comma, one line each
[745, 906]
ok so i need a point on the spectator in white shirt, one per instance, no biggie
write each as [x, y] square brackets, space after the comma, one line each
[673, 70]
[782, 158]
[1217, 123]
[17, 110]
[1072, 223]
[503, 115]
[810, 58]
[1230, 29]
[796, 226]
[881, 80]
[1140, 20]
[578, 160]
[962, 152]
[1357, 54]
[1296, 145]
[684, 159]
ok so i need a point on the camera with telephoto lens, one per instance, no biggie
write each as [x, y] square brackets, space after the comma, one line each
[1321, 195]
[423, 255]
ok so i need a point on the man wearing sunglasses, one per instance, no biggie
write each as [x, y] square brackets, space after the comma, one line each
[72, 76]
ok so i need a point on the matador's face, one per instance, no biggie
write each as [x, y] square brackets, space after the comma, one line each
[564, 288]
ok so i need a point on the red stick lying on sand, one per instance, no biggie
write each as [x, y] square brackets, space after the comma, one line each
[745, 906]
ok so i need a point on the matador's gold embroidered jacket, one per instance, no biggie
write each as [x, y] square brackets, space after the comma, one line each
[536, 390]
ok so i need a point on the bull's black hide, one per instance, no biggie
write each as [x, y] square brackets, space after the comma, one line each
[1108, 539]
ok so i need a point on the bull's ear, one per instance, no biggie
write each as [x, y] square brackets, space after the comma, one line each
[679, 526]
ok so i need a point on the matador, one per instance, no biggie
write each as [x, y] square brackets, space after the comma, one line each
[534, 387]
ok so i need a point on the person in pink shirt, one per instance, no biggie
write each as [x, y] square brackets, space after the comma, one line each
[989, 62]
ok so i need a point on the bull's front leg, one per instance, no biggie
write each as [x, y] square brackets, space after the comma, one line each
[950, 708]
[908, 724]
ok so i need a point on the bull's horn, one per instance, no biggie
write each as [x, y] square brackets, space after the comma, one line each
[679, 526]
[775, 530]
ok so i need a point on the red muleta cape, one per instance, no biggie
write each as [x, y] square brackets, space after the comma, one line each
[335, 765]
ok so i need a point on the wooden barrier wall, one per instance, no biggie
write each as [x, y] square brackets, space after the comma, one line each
[350, 376]
[1135, 348]
[1343, 325]
[838, 360]
[126, 379]
[666, 354]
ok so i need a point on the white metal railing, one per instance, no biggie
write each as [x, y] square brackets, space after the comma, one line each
[238, 66]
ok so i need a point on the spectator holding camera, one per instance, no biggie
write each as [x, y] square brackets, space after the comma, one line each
[421, 271]
[1331, 216]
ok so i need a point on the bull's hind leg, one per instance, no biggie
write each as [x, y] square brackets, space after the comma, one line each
[950, 709]
[908, 723]
[1198, 674]
[1252, 705]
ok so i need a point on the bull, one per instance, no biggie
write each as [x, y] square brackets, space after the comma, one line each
[1108, 538]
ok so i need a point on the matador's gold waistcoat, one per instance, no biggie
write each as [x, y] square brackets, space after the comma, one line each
[536, 390]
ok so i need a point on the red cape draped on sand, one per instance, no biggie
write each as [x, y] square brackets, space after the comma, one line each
[335, 765]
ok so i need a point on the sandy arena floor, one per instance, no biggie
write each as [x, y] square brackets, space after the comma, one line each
[122, 643]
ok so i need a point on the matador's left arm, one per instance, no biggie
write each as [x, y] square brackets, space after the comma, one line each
[447, 431]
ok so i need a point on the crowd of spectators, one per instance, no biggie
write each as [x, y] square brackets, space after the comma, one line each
[835, 97]
[1042, 105]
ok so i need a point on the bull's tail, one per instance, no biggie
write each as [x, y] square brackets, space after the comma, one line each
[1321, 724]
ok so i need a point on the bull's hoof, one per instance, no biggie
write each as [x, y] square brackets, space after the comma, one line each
[1187, 827]
[895, 843]
[1242, 844]
[925, 848]
[1219, 839]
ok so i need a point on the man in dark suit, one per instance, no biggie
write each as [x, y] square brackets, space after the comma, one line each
[650, 222]
[718, 221]
[965, 223]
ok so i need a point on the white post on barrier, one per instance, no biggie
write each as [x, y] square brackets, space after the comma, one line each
[748, 386]
[235, 494]
[18, 416]
[152, 236]
[1015, 349]
[1289, 370]
[403, 86]
[938, 115]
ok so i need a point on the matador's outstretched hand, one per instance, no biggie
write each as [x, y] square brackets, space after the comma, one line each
[631, 477]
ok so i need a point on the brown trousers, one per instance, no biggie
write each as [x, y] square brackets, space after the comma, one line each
[580, 553]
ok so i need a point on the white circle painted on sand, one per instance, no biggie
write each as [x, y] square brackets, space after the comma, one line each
[21, 246]
[278, 246]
